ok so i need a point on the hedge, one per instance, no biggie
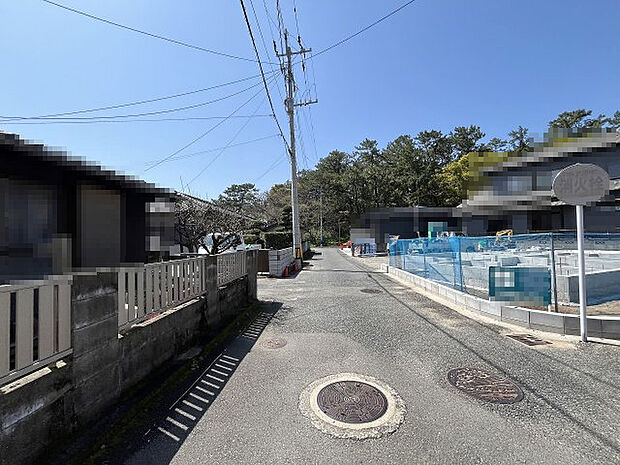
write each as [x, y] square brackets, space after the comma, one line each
[278, 240]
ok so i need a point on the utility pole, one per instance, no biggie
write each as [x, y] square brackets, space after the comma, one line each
[290, 105]
[321, 213]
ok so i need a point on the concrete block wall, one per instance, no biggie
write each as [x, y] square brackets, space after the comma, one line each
[560, 323]
[51, 404]
[280, 259]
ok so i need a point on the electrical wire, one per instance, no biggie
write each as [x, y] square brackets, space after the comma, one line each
[273, 166]
[158, 112]
[212, 128]
[260, 65]
[232, 139]
[202, 152]
[139, 120]
[346, 39]
[260, 30]
[149, 34]
[139, 102]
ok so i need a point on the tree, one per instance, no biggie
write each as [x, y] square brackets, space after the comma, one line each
[466, 139]
[202, 224]
[274, 200]
[577, 119]
[614, 121]
[453, 181]
[519, 140]
[286, 218]
[497, 145]
[243, 199]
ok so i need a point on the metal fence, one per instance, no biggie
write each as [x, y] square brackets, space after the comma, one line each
[471, 264]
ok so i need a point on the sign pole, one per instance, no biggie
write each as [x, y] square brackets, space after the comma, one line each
[583, 322]
[581, 184]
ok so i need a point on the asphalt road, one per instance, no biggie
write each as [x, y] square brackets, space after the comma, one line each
[570, 412]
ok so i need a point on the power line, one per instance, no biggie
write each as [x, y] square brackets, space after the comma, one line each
[260, 65]
[273, 166]
[311, 127]
[138, 120]
[158, 112]
[202, 152]
[149, 34]
[260, 30]
[226, 146]
[212, 128]
[346, 39]
[139, 102]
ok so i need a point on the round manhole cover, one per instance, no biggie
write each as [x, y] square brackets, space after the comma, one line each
[485, 386]
[371, 291]
[274, 343]
[354, 406]
[352, 402]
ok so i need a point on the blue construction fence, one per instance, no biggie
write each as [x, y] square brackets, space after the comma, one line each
[477, 264]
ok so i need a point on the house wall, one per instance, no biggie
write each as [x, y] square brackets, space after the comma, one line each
[27, 228]
[99, 226]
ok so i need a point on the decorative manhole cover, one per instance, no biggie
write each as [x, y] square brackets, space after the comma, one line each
[352, 402]
[485, 386]
[371, 291]
[274, 343]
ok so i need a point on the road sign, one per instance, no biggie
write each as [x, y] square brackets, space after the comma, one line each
[581, 184]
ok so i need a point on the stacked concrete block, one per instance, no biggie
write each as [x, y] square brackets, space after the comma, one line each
[279, 260]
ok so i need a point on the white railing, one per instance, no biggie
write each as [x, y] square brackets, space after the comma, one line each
[156, 287]
[148, 289]
[35, 326]
[230, 266]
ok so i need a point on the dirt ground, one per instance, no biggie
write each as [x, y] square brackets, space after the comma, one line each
[607, 308]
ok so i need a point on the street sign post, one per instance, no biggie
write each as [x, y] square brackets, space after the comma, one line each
[581, 184]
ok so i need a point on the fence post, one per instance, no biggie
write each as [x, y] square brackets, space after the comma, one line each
[213, 314]
[251, 270]
[555, 284]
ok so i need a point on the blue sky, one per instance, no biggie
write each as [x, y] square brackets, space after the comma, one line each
[436, 64]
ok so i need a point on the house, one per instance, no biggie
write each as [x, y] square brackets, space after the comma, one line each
[517, 193]
[407, 222]
[61, 213]
[512, 192]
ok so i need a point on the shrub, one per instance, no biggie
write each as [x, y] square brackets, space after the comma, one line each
[278, 240]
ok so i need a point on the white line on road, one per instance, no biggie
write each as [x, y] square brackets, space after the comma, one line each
[194, 406]
[169, 434]
[201, 399]
[216, 378]
[177, 423]
[185, 414]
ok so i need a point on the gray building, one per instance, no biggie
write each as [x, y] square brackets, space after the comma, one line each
[61, 213]
[517, 194]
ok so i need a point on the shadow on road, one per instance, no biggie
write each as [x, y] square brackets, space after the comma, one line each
[176, 414]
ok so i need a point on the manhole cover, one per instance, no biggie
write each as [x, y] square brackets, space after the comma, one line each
[371, 291]
[528, 339]
[274, 343]
[352, 402]
[485, 386]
